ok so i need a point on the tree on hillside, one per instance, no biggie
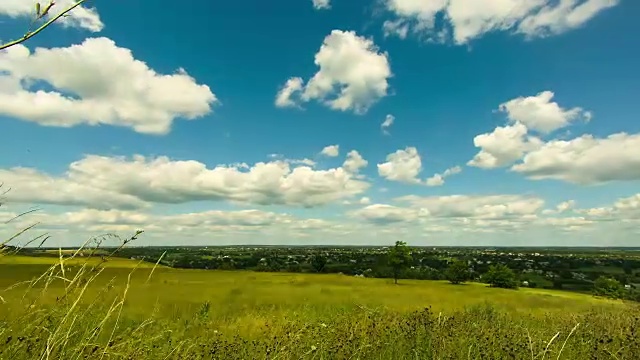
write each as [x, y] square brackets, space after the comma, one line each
[458, 272]
[399, 258]
[501, 276]
[608, 287]
[318, 262]
[41, 11]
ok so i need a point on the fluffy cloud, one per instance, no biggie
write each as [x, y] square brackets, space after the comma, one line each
[438, 179]
[460, 212]
[507, 144]
[363, 201]
[402, 165]
[331, 150]
[472, 19]
[115, 182]
[287, 91]
[30, 185]
[80, 17]
[386, 124]
[385, 214]
[406, 165]
[541, 114]
[565, 15]
[566, 223]
[629, 204]
[627, 211]
[354, 162]
[444, 220]
[476, 206]
[251, 220]
[280, 157]
[353, 75]
[97, 83]
[504, 146]
[321, 4]
[585, 160]
[561, 208]
[622, 210]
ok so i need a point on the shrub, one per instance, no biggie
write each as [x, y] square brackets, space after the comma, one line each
[501, 276]
[458, 272]
[608, 287]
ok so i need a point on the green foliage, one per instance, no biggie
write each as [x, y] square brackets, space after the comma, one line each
[399, 258]
[501, 276]
[608, 287]
[318, 262]
[232, 320]
[458, 272]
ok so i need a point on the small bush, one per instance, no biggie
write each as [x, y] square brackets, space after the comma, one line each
[501, 276]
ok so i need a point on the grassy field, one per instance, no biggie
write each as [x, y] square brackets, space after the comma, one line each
[50, 260]
[185, 314]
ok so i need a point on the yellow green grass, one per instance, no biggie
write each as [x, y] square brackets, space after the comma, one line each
[184, 314]
[112, 262]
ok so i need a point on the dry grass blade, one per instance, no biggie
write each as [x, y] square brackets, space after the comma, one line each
[530, 344]
[546, 349]
[567, 339]
[120, 305]
[155, 266]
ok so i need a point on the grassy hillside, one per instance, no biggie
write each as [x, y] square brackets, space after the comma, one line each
[216, 314]
[50, 260]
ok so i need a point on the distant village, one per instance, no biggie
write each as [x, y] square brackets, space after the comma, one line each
[562, 268]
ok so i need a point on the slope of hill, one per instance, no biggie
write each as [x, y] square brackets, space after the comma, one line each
[199, 314]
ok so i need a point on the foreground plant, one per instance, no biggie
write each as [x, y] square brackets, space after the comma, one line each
[41, 11]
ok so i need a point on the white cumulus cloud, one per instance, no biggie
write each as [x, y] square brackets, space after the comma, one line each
[385, 214]
[476, 206]
[467, 20]
[438, 179]
[102, 182]
[353, 74]
[541, 114]
[354, 162]
[503, 146]
[562, 207]
[406, 165]
[285, 94]
[97, 83]
[402, 166]
[331, 151]
[585, 160]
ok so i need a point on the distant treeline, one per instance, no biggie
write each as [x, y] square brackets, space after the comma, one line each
[541, 268]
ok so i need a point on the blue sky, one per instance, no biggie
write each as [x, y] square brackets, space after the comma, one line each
[96, 129]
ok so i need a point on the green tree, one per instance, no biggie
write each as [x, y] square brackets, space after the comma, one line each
[41, 11]
[458, 272]
[399, 258]
[318, 262]
[501, 276]
[608, 287]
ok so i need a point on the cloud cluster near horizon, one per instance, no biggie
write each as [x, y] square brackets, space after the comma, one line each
[97, 82]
